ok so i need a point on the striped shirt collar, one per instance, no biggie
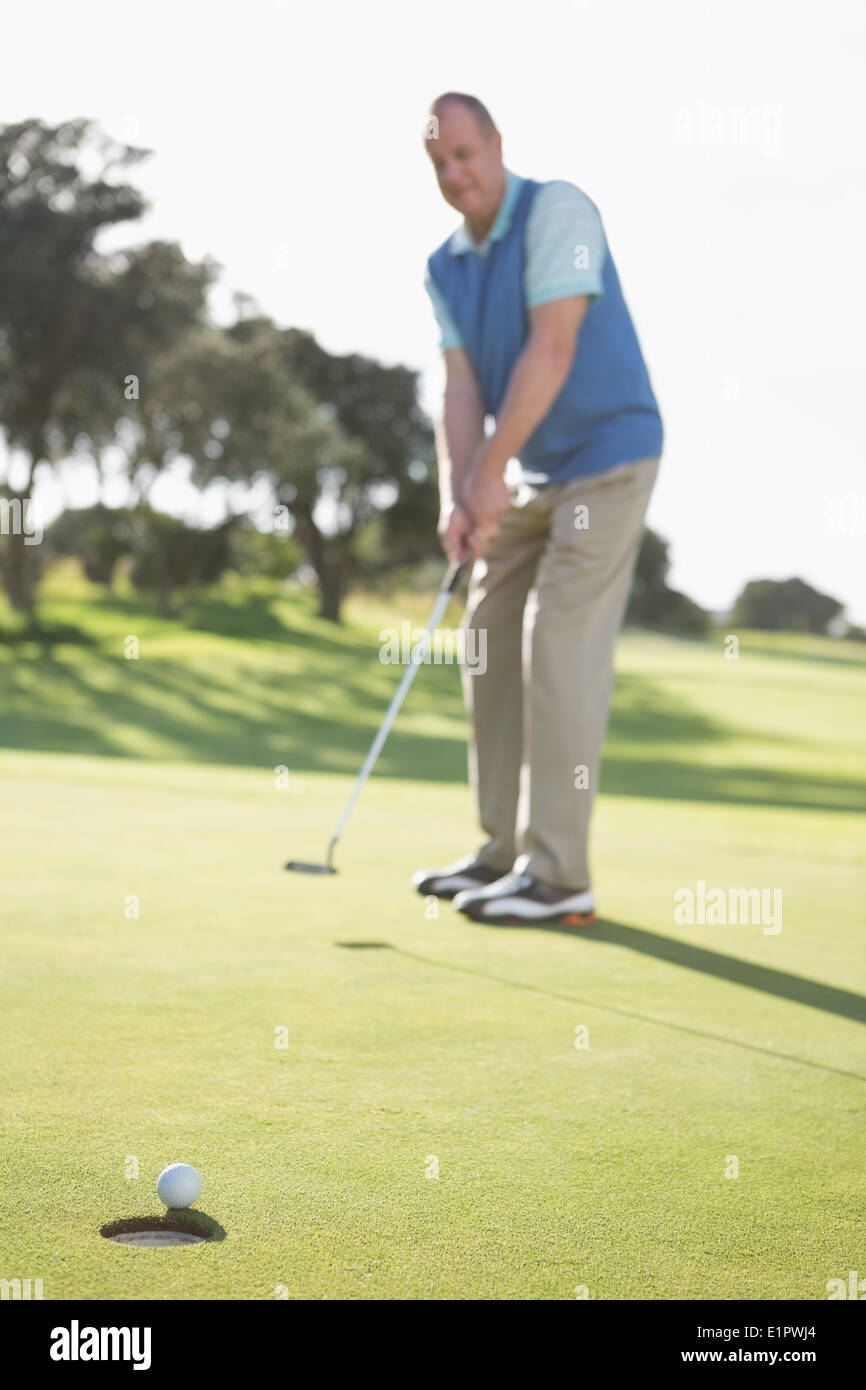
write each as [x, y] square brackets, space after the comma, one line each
[461, 241]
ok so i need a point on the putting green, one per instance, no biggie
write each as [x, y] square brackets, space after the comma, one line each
[430, 1130]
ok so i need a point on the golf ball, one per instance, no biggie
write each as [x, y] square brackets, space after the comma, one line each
[178, 1185]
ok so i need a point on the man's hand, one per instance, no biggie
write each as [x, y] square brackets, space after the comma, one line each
[536, 380]
[455, 526]
[485, 496]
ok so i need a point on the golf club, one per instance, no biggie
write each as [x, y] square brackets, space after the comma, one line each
[415, 660]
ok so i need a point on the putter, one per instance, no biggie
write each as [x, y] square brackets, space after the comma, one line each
[445, 592]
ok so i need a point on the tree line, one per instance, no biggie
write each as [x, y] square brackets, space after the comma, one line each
[114, 358]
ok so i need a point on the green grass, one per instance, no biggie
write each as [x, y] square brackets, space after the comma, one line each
[411, 1036]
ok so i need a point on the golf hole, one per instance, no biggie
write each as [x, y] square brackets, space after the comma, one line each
[156, 1232]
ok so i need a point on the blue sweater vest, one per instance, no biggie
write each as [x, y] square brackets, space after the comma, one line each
[606, 413]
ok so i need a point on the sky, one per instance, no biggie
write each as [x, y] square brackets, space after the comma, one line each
[722, 141]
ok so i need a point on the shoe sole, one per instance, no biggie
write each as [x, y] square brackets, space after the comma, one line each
[562, 919]
[447, 893]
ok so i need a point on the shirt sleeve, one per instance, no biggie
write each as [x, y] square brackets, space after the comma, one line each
[449, 336]
[565, 246]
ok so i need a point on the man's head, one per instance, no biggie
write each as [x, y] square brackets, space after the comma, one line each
[465, 149]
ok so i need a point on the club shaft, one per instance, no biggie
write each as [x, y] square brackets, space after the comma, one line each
[409, 675]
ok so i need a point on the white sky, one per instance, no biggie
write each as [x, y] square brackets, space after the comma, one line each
[723, 141]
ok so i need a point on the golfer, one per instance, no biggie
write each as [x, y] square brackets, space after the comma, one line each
[536, 334]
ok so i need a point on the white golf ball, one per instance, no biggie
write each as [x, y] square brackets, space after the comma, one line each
[178, 1185]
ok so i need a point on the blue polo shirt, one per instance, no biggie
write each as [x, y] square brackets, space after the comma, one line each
[547, 243]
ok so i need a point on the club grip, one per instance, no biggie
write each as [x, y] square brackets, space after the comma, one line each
[452, 576]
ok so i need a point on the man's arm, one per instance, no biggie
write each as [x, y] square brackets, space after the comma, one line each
[459, 435]
[538, 376]
[460, 431]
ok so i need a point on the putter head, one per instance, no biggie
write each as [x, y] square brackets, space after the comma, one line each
[298, 867]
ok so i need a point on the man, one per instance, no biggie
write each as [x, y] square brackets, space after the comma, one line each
[535, 333]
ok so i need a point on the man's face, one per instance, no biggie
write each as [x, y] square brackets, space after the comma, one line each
[467, 162]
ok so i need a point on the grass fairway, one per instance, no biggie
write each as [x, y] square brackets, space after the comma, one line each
[417, 1041]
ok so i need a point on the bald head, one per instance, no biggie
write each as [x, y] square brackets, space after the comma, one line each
[476, 108]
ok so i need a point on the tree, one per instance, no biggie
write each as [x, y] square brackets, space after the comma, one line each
[339, 441]
[99, 536]
[393, 478]
[651, 603]
[222, 398]
[99, 352]
[73, 322]
[649, 583]
[788, 604]
[170, 555]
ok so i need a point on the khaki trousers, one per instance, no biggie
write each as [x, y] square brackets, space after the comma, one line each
[548, 600]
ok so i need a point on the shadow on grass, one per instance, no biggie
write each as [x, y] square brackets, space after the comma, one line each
[246, 718]
[185, 1221]
[255, 617]
[732, 785]
[364, 945]
[46, 635]
[320, 713]
[325, 721]
[853, 659]
[795, 988]
[843, 1003]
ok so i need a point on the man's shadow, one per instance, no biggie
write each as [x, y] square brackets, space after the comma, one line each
[799, 990]
[796, 988]
[830, 999]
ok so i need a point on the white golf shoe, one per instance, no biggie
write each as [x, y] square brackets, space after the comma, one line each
[466, 873]
[519, 898]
